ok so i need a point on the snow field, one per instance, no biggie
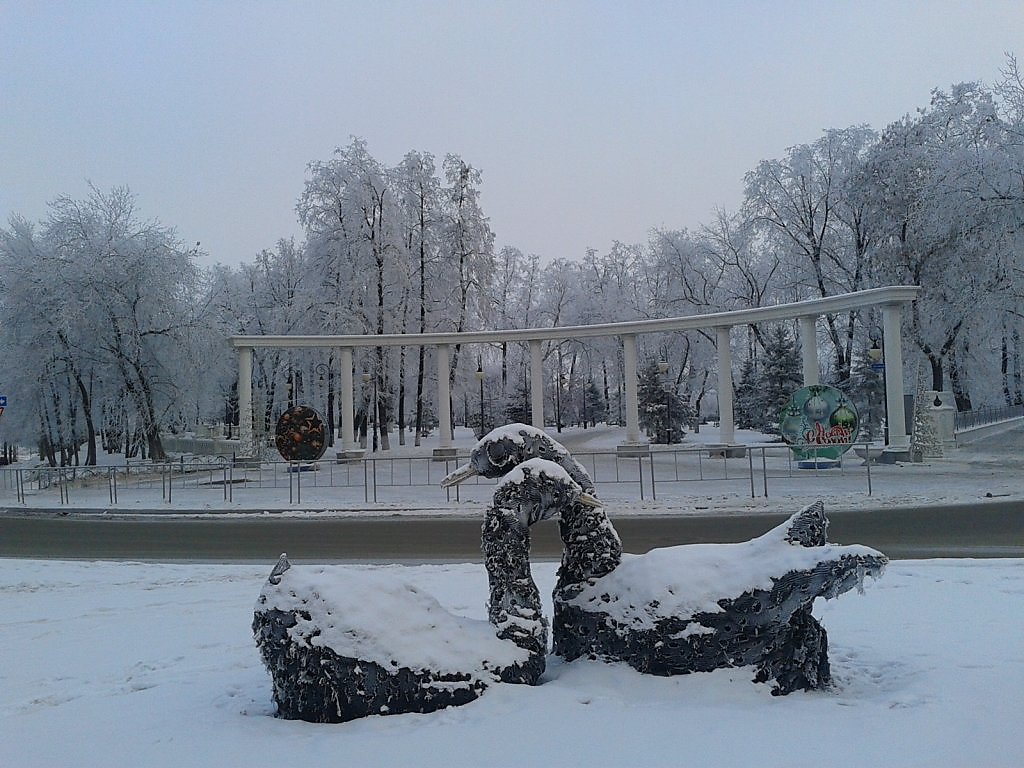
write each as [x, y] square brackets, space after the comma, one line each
[128, 664]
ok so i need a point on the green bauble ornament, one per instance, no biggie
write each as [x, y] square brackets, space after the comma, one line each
[843, 417]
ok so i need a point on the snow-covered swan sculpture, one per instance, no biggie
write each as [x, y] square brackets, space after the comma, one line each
[342, 643]
[688, 608]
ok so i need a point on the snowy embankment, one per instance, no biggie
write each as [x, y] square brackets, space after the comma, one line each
[126, 664]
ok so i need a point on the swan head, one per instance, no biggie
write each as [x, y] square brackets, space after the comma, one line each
[502, 449]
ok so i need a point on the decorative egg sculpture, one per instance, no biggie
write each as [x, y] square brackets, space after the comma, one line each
[301, 434]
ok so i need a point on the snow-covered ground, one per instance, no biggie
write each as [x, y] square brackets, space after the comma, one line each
[128, 664]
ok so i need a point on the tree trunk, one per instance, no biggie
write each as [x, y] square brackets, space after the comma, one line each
[1018, 381]
[419, 394]
[90, 426]
[1004, 367]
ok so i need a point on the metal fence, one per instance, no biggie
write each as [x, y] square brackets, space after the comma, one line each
[979, 417]
[220, 482]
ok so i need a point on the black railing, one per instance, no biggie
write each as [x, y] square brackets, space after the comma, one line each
[660, 473]
[979, 417]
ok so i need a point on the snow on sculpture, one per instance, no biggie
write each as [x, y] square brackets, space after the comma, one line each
[342, 643]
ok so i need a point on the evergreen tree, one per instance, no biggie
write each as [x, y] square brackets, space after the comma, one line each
[925, 441]
[747, 411]
[868, 393]
[518, 409]
[781, 376]
[663, 414]
[594, 406]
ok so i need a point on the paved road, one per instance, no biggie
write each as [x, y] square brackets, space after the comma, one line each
[991, 529]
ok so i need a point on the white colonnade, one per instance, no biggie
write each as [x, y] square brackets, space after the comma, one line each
[890, 299]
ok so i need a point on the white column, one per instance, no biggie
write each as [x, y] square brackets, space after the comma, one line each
[246, 446]
[632, 400]
[809, 348]
[892, 338]
[444, 396]
[245, 440]
[536, 385]
[348, 433]
[725, 420]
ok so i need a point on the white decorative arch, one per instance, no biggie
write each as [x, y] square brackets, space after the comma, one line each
[891, 299]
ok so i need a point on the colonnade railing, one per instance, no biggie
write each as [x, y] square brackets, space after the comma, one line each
[682, 475]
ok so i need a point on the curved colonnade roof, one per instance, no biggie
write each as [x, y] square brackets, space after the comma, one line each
[897, 294]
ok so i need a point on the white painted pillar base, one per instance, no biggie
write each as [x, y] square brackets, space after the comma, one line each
[809, 350]
[536, 385]
[630, 385]
[245, 437]
[725, 415]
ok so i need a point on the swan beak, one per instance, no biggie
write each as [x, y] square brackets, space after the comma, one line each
[464, 472]
[590, 501]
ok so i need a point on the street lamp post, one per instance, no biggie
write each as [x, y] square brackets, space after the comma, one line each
[876, 355]
[586, 393]
[324, 370]
[480, 378]
[561, 382]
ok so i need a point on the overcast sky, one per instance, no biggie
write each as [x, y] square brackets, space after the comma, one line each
[591, 121]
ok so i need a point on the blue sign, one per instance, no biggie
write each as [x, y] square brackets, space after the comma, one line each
[3, 401]
[878, 366]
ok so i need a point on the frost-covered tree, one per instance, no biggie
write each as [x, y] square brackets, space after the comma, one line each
[350, 209]
[946, 224]
[767, 382]
[867, 390]
[108, 320]
[924, 439]
[420, 206]
[467, 250]
[804, 207]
